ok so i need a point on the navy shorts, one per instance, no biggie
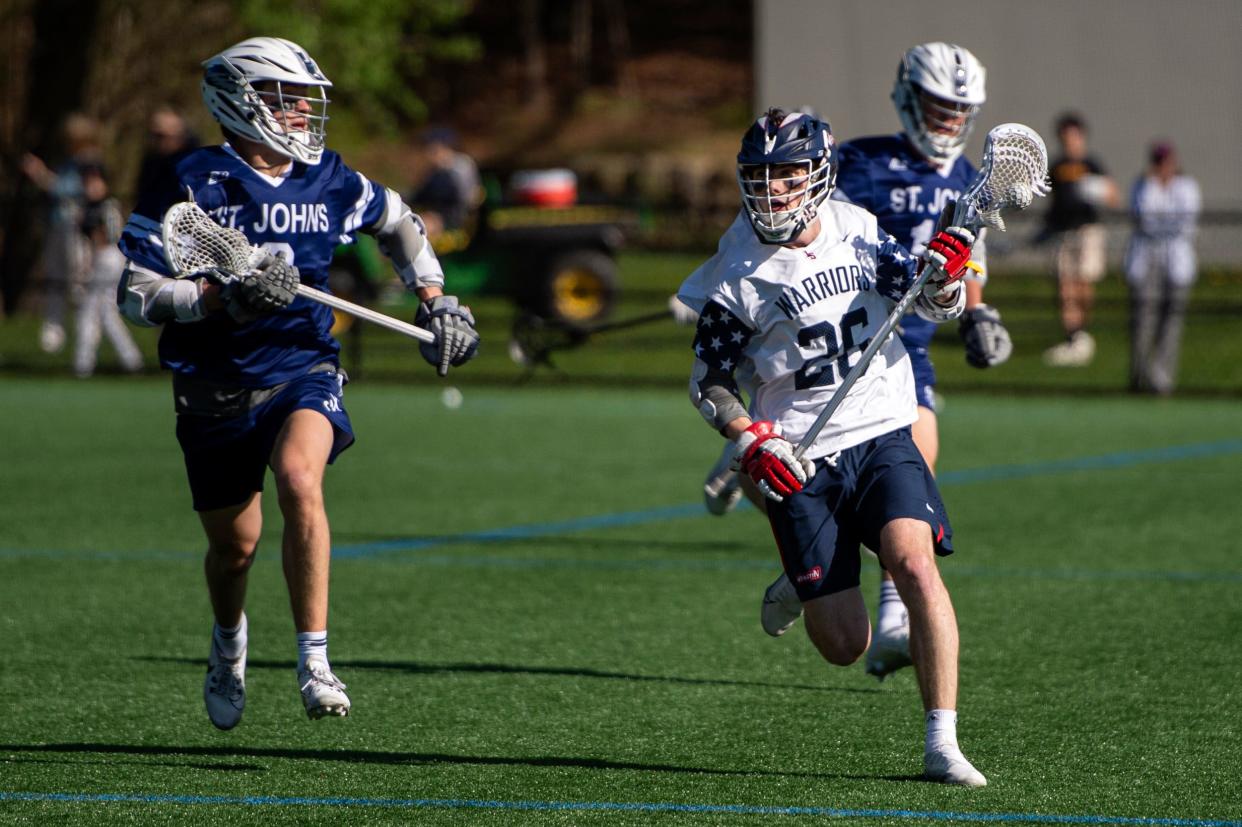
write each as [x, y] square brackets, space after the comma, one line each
[226, 457]
[820, 529]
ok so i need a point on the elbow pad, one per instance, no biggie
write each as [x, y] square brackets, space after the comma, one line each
[403, 238]
[148, 299]
[715, 396]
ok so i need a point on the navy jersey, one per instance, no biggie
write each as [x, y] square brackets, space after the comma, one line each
[303, 216]
[888, 177]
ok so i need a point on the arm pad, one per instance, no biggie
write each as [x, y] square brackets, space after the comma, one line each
[715, 395]
[403, 239]
[148, 299]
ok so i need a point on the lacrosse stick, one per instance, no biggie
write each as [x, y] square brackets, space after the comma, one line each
[194, 244]
[533, 338]
[1013, 172]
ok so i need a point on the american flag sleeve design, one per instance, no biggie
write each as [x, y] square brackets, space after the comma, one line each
[720, 340]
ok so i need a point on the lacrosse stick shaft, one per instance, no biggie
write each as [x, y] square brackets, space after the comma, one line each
[366, 314]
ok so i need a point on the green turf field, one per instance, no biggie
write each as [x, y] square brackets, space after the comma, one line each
[539, 624]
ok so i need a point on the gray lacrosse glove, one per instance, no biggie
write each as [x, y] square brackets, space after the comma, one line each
[987, 341]
[456, 339]
[271, 286]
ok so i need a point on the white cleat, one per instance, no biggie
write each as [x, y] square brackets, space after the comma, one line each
[722, 489]
[890, 651]
[224, 691]
[947, 765]
[323, 694]
[781, 607]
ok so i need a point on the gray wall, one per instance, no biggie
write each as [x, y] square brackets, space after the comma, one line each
[1137, 70]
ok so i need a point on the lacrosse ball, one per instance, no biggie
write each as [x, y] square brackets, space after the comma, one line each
[451, 397]
[1020, 195]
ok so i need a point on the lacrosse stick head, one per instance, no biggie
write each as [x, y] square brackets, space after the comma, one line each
[194, 244]
[1013, 173]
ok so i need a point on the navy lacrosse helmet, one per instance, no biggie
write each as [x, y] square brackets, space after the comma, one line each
[787, 167]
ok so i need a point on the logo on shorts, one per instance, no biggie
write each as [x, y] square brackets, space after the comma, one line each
[811, 576]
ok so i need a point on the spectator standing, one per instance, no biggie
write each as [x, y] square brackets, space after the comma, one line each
[1080, 188]
[97, 313]
[450, 191]
[1160, 268]
[65, 251]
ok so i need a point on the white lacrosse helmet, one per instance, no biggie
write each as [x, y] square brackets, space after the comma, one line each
[939, 89]
[247, 89]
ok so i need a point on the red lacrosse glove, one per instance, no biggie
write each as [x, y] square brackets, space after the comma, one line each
[768, 458]
[948, 252]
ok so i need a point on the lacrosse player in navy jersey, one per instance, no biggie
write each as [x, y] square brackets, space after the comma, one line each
[796, 290]
[256, 376]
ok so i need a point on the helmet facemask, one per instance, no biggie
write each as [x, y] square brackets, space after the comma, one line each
[782, 199]
[293, 117]
[786, 168]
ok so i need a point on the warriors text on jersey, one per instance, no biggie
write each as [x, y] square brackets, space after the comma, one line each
[794, 320]
[302, 216]
[888, 177]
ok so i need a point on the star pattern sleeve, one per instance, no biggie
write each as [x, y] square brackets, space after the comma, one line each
[895, 269]
[720, 338]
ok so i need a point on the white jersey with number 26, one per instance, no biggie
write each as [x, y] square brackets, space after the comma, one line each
[792, 321]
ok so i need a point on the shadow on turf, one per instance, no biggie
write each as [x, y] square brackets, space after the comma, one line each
[356, 756]
[508, 669]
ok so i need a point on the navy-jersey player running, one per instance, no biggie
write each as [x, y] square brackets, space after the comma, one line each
[256, 375]
[797, 288]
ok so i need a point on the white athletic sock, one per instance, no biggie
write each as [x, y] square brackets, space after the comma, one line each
[312, 645]
[892, 612]
[941, 730]
[230, 643]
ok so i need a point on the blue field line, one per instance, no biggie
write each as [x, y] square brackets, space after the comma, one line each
[1122, 459]
[524, 532]
[605, 806]
[629, 518]
[689, 510]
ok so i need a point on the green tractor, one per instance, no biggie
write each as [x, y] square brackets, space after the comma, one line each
[553, 261]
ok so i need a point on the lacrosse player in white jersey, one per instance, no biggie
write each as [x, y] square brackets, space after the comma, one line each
[257, 381]
[796, 290]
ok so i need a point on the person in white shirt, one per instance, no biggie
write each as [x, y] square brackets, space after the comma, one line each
[796, 290]
[1160, 268]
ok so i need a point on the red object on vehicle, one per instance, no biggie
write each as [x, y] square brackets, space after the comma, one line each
[544, 187]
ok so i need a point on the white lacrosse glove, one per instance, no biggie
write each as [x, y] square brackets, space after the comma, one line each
[453, 325]
[270, 287]
[947, 255]
[768, 458]
[987, 341]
